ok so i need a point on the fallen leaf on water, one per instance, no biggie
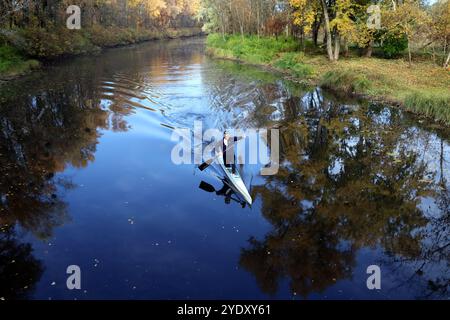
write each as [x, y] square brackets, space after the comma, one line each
[391, 154]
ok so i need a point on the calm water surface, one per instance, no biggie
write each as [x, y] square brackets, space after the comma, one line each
[86, 178]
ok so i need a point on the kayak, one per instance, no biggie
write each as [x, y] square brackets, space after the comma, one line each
[235, 182]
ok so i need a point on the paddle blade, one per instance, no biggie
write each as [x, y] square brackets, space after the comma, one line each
[206, 187]
[205, 164]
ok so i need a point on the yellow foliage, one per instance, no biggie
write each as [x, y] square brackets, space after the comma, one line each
[155, 7]
[305, 13]
[407, 18]
[344, 9]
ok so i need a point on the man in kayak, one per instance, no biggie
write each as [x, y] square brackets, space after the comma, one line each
[229, 157]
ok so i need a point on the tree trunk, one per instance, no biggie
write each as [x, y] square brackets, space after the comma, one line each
[346, 53]
[369, 49]
[445, 46]
[445, 51]
[315, 30]
[302, 40]
[223, 30]
[315, 36]
[222, 25]
[434, 54]
[447, 62]
[327, 31]
[394, 5]
[337, 46]
[258, 18]
[409, 53]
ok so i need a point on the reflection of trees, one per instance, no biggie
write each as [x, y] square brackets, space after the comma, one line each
[430, 267]
[307, 251]
[43, 129]
[41, 135]
[52, 121]
[347, 180]
[19, 270]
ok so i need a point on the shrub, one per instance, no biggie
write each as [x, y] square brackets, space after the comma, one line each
[9, 56]
[12, 62]
[54, 42]
[394, 45]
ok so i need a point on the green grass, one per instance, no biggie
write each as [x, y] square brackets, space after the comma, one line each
[434, 103]
[422, 88]
[13, 63]
[251, 48]
[345, 81]
[294, 62]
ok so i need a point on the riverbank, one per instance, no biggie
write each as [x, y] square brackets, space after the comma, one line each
[24, 50]
[422, 88]
[13, 64]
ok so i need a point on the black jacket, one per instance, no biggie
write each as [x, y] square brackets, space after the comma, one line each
[228, 151]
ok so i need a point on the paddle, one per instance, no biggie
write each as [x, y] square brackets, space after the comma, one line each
[207, 163]
[206, 187]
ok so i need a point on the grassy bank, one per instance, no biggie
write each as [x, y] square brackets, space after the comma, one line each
[22, 49]
[422, 88]
[13, 64]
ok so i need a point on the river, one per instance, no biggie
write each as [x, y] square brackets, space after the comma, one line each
[87, 179]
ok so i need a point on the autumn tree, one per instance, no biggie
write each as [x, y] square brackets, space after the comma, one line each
[406, 18]
[244, 16]
[122, 13]
[275, 26]
[338, 21]
[440, 27]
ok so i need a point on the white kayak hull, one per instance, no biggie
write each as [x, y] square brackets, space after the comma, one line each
[236, 183]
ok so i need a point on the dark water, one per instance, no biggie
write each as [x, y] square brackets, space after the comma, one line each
[87, 179]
